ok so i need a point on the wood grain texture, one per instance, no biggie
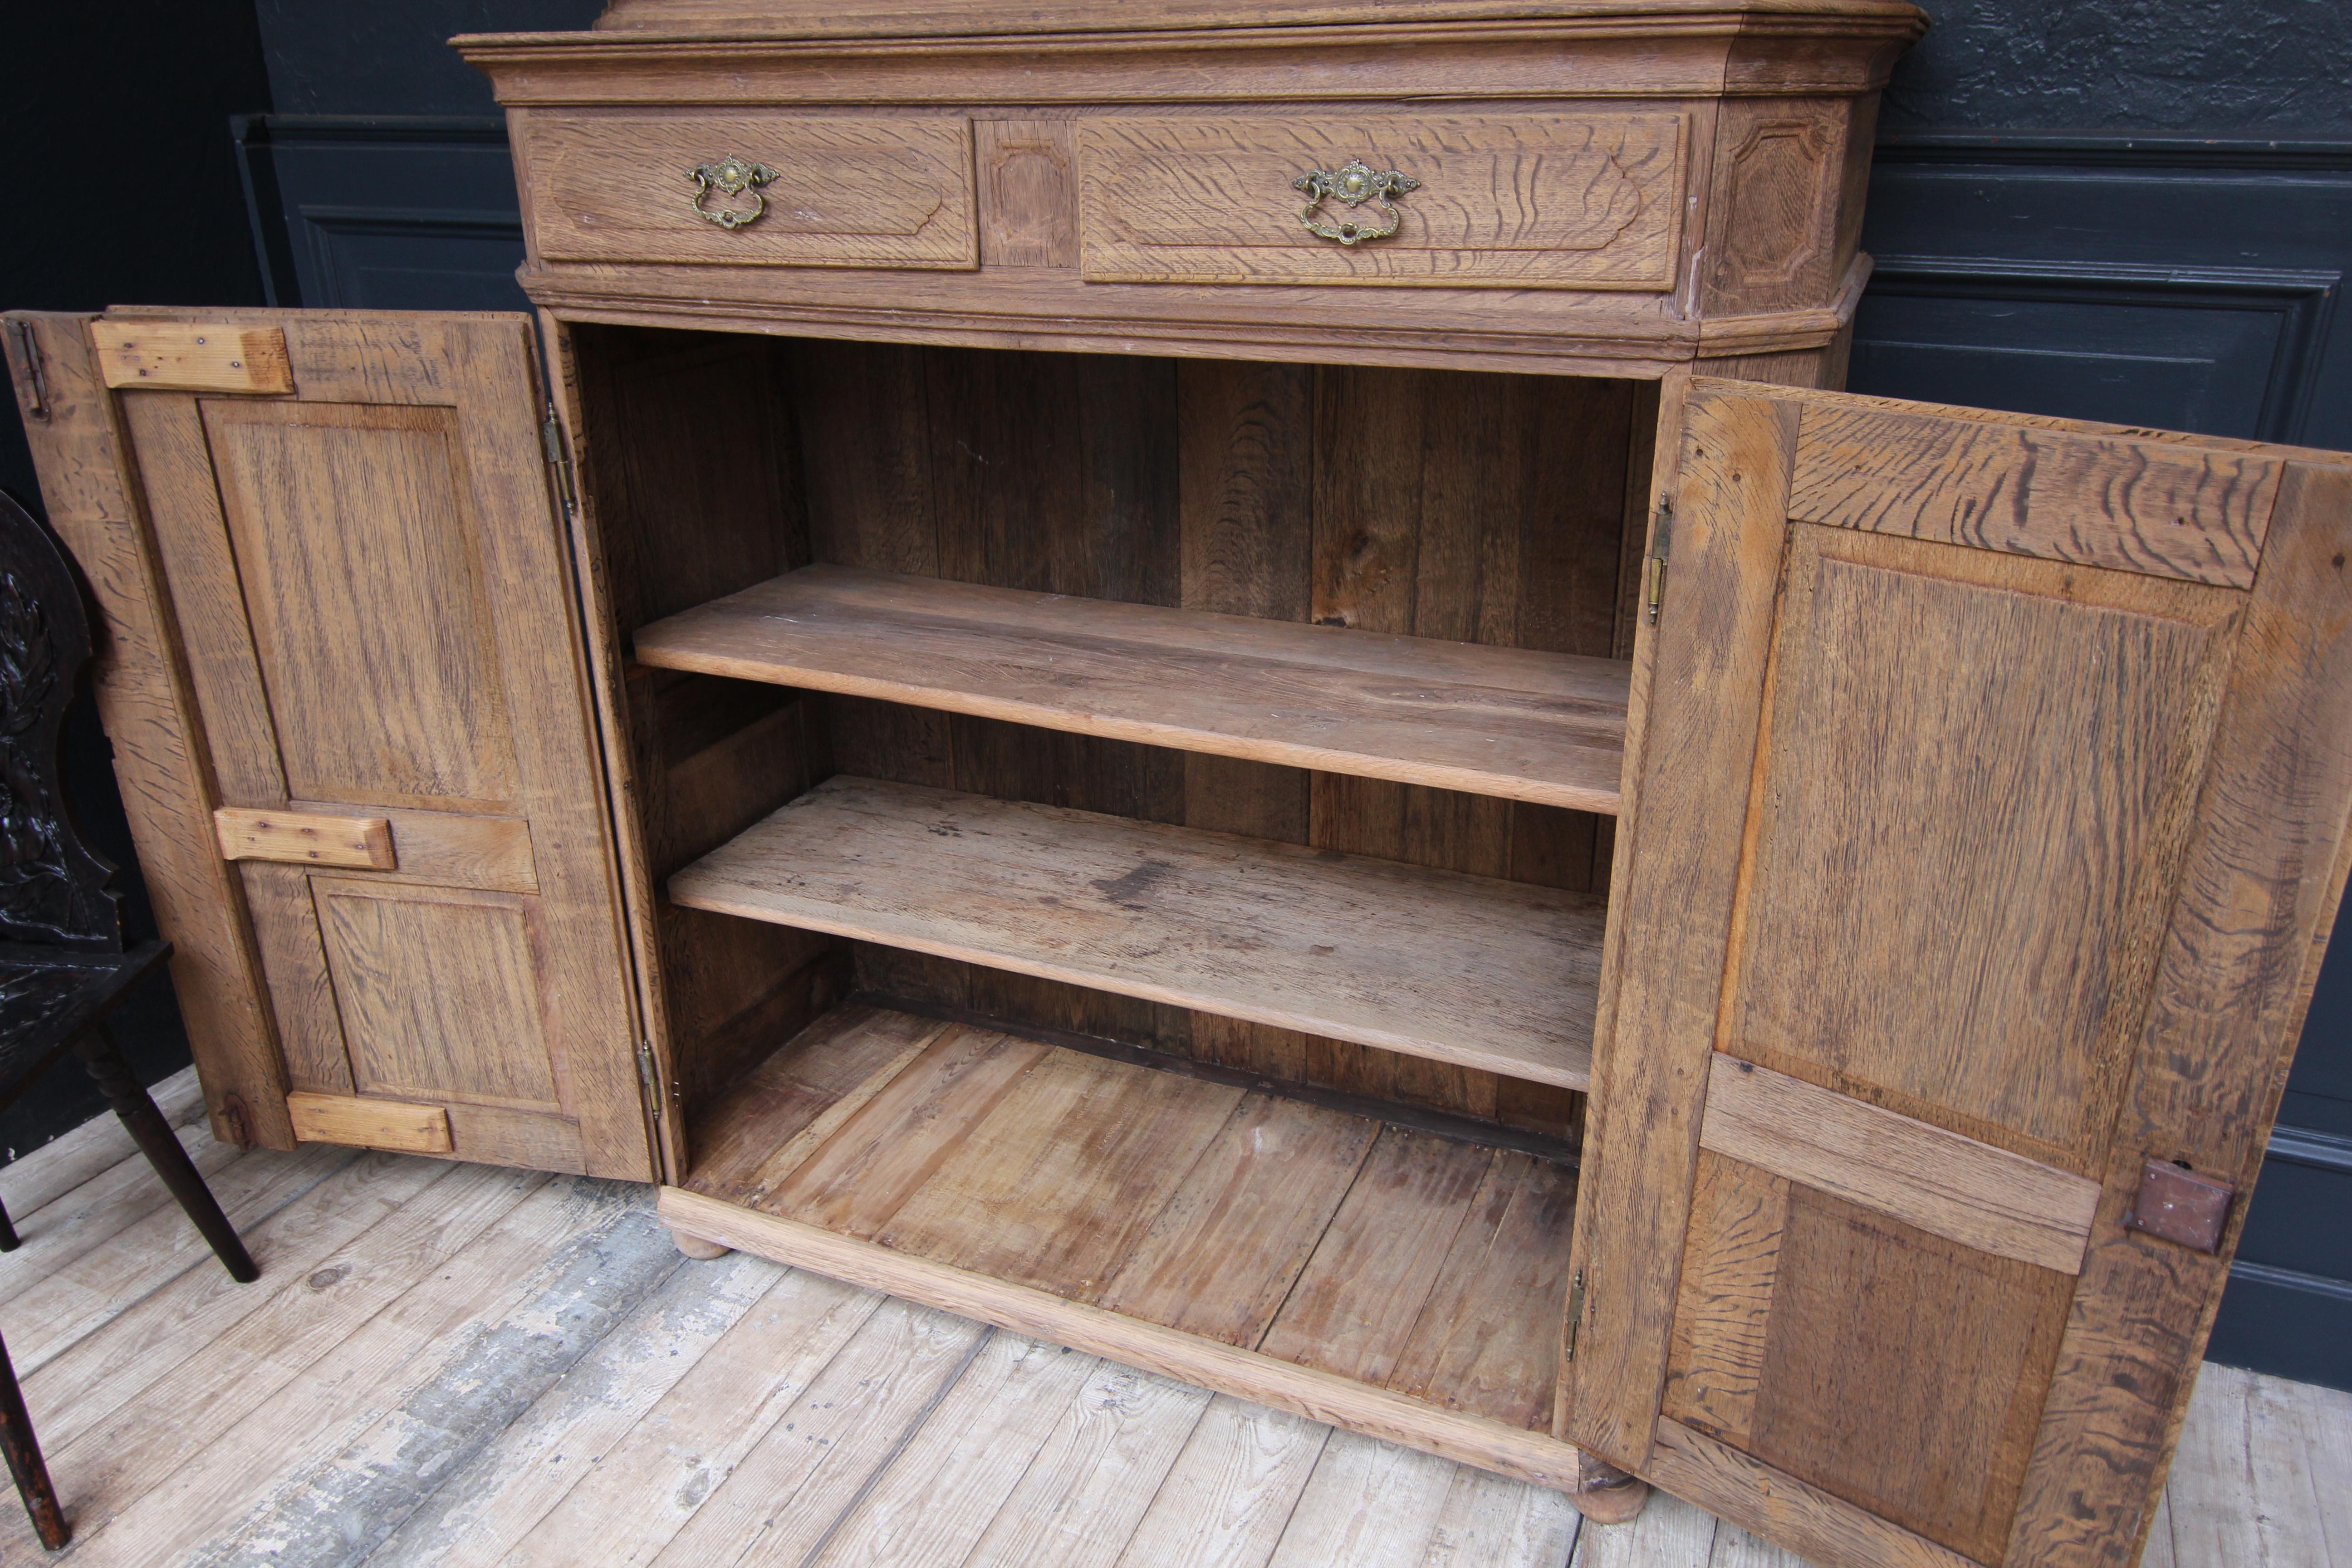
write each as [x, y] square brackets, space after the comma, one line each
[1673, 910]
[1476, 971]
[1953, 1186]
[1517, 201]
[1723, 1311]
[2128, 506]
[1498, 721]
[1320, 1395]
[454, 849]
[603, 186]
[2260, 882]
[445, 596]
[176, 356]
[2085, 711]
[305, 838]
[370, 1123]
[145, 701]
[1782, 1508]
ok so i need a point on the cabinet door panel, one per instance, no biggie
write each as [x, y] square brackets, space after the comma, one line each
[1988, 818]
[368, 583]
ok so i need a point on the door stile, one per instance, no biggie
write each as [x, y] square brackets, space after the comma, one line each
[147, 703]
[633, 889]
[1680, 851]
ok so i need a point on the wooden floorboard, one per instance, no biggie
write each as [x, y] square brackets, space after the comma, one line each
[465, 1366]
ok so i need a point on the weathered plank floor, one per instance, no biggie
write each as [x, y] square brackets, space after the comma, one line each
[451, 1364]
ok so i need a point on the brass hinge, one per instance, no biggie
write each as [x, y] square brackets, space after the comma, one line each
[36, 387]
[645, 1074]
[559, 458]
[1653, 590]
[1575, 1317]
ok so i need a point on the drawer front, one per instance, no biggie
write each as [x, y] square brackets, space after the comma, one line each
[803, 191]
[1581, 201]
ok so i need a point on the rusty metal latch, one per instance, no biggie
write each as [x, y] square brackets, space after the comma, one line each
[2175, 1203]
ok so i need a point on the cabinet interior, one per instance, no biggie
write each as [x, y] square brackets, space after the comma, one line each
[1049, 990]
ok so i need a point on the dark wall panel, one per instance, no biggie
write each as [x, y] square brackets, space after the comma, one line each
[120, 184]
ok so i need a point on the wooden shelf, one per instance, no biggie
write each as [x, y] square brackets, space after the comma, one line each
[1377, 1276]
[1549, 728]
[1487, 974]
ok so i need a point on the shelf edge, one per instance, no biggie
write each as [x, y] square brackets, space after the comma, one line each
[1357, 765]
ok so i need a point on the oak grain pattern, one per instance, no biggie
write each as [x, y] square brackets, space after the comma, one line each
[1503, 722]
[1868, 1314]
[1673, 904]
[1307, 1391]
[147, 706]
[455, 850]
[857, 1180]
[1355, 1306]
[1474, 970]
[1782, 1508]
[1731, 1262]
[617, 186]
[2198, 515]
[1588, 201]
[1484, 1340]
[306, 837]
[187, 356]
[2080, 703]
[1221, 1254]
[1941, 1182]
[372, 1123]
[2261, 879]
[1058, 1184]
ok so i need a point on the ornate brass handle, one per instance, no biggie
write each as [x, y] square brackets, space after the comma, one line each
[1354, 182]
[729, 176]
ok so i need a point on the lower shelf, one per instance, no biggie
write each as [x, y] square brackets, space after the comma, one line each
[1502, 976]
[1393, 1281]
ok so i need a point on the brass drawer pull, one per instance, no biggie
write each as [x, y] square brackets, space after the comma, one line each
[729, 176]
[1354, 182]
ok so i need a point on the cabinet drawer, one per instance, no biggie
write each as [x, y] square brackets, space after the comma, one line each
[1565, 201]
[826, 191]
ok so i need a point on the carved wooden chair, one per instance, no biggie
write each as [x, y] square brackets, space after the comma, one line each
[62, 964]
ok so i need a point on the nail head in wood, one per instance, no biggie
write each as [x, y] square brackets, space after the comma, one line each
[357, 843]
[181, 356]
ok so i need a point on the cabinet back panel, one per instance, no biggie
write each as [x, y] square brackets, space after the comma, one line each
[403, 592]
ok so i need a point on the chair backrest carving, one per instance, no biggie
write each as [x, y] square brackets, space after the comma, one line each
[53, 889]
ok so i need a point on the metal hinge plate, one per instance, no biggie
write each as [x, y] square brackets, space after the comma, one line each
[1653, 586]
[646, 1073]
[558, 459]
[1575, 1317]
[37, 385]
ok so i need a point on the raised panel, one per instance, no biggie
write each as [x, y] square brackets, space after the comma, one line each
[1989, 943]
[364, 592]
[440, 994]
[1585, 201]
[846, 192]
[1903, 1372]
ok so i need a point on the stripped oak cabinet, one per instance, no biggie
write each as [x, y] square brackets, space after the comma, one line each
[1218, 683]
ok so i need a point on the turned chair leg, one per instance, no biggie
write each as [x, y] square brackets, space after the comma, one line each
[155, 1140]
[24, 1452]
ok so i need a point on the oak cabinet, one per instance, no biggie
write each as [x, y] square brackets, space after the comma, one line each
[1017, 723]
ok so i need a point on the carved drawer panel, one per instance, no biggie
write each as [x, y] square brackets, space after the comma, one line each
[1527, 200]
[749, 188]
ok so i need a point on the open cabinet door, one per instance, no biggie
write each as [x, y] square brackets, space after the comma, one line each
[359, 583]
[1983, 839]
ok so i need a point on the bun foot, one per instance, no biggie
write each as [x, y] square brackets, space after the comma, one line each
[695, 1248]
[1607, 1495]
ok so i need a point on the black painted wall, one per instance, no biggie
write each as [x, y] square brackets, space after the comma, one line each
[2132, 210]
[119, 185]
